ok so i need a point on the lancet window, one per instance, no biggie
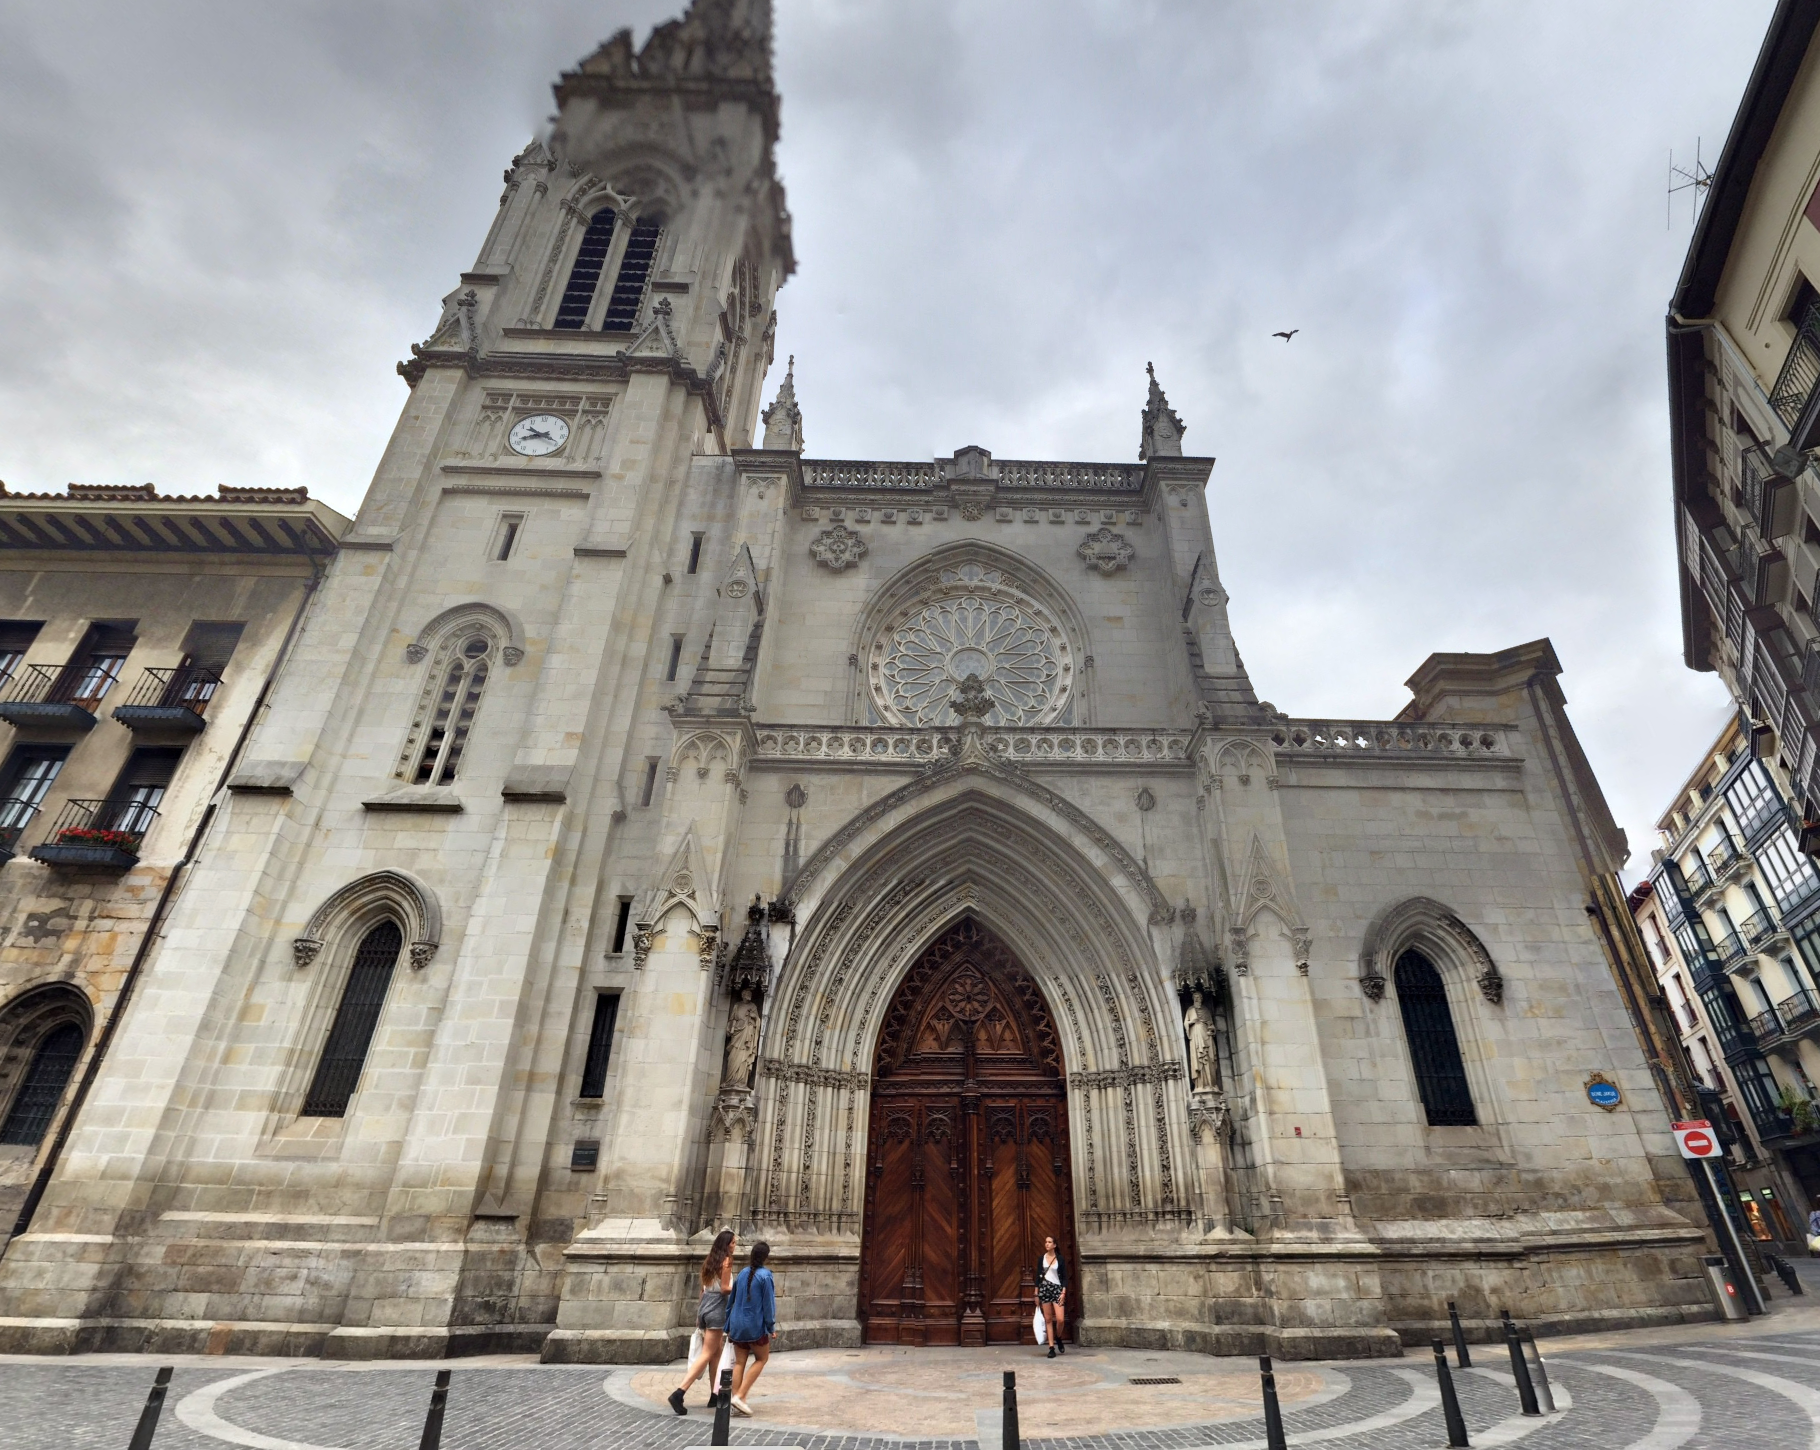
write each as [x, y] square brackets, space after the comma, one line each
[1434, 1046]
[344, 1054]
[446, 711]
[35, 1104]
[584, 276]
[622, 249]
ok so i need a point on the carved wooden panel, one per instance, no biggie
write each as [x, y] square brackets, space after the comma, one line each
[968, 1163]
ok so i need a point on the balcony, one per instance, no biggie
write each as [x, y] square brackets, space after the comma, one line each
[1733, 953]
[1796, 395]
[1724, 858]
[1768, 495]
[1799, 1014]
[1760, 930]
[106, 834]
[170, 701]
[61, 697]
[15, 816]
[1766, 1026]
[1700, 882]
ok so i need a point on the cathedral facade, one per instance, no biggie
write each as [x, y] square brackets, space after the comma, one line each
[659, 828]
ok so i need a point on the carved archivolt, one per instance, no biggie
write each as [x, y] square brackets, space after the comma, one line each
[951, 770]
[503, 621]
[1423, 922]
[973, 854]
[362, 903]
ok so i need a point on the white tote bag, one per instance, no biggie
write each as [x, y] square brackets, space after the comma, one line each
[1037, 1327]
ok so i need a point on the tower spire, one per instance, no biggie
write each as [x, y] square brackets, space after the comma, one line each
[783, 419]
[1163, 430]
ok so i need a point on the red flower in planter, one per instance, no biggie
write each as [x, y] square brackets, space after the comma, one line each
[94, 836]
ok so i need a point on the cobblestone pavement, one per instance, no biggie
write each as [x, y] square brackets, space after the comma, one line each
[1702, 1387]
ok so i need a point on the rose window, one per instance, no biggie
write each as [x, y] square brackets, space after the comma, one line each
[1018, 652]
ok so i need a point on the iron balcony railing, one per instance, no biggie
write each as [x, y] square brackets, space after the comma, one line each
[170, 698]
[1759, 928]
[1699, 880]
[1765, 1025]
[15, 816]
[1732, 952]
[1798, 1012]
[117, 825]
[81, 685]
[1723, 857]
[1794, 395]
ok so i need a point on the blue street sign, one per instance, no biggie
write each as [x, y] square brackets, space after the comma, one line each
[1603, 1094]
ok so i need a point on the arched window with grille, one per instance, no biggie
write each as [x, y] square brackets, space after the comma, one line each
[344, 1053]
[584, 276]
[53, 1062]
[446, 709]
[1434, 1046]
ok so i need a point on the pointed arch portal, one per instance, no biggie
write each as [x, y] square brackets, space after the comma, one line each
[968, 1164]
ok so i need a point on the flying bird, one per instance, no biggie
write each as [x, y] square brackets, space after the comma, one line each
[1287, 335]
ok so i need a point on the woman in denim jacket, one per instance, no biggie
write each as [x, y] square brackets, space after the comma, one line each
[751, 1323]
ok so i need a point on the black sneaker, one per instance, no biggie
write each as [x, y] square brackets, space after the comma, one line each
[1060, 1348]
[713, 1399]
[1052, 1351]
[676, 1402]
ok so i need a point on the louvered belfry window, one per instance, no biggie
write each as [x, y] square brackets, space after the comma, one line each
[446, 711]
[35, 1104]
[634, 273]
[1434, 1046]
[345, 1053]
[584, 276]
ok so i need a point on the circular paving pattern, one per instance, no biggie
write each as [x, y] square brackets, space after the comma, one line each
[940, 1394]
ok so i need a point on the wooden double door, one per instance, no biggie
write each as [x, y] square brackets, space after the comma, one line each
[967, 1154]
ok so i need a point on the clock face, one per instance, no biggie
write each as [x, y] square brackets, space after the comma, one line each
[538, 434]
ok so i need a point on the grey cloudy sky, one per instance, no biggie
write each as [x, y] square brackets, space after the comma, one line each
[223, 224]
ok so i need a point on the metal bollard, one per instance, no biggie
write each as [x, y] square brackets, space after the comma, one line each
[1519, 1367]
[1273, 1415]
[1008, 1432]
[1450, 1400]
[1462, 1356]
[1539, 1372]
[148, 1417]
[723, 1409]
[432, 1422]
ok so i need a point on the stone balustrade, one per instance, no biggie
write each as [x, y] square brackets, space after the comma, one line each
[1378, 737]
[871, 745]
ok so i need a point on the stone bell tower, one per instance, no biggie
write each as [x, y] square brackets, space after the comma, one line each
[430, 933]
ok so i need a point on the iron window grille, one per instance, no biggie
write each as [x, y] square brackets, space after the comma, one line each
[1434, 1046]
[35, 1104]
[344, 1054]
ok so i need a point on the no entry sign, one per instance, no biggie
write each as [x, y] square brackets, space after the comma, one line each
[1697, 1139]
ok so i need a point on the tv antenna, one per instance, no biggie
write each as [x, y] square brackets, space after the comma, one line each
[1698, 180]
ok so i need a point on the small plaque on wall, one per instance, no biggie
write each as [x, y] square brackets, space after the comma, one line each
[1602, 1092]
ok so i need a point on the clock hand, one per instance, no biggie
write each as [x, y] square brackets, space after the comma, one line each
[537, 433]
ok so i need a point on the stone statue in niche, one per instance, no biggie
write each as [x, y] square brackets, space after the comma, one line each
[742, 1041]
[1203, 1064]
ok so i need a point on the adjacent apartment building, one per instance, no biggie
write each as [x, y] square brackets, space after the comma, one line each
[138, 636]
[1744, 384]
[1730, 915]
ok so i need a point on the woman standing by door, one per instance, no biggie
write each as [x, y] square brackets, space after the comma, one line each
[1051, 1290]
[710, 1319]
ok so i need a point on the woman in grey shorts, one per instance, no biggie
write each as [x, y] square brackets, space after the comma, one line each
[710, 1319]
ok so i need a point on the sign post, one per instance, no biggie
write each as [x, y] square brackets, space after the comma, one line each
[1699, 1142]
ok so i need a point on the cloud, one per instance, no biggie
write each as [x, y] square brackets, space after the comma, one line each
[226, 223]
